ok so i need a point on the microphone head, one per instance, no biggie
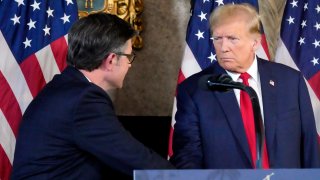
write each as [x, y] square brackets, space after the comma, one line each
[224, 78]
[204, 80]
[214, 82]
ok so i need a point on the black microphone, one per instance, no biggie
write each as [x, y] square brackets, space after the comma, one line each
[221, 82]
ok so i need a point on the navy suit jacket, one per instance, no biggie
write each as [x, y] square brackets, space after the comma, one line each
[209, 132]
[70, 131]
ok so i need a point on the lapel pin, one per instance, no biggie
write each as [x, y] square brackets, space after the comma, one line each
[271, 83]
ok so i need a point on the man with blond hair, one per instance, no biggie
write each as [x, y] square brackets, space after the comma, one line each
[216, 129]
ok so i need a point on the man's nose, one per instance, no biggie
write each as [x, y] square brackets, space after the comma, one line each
[224, 45]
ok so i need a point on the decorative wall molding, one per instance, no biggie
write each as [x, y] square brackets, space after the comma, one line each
[129, 10]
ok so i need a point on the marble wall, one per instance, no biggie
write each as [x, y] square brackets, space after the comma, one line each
[150, 84]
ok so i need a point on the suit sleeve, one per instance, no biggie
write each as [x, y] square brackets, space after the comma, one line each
[187, 147]
[310, 142]
[98, 131]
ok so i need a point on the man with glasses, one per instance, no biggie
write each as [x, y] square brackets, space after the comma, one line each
[70, 130]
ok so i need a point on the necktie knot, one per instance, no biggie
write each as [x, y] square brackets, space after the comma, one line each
[245, 76]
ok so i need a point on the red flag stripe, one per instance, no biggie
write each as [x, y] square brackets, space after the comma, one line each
[9, 105]
[315, 84]
[33, 74]
[6, 167]
[7, 140]
[59, 48]
[264, 45]
[181, 77]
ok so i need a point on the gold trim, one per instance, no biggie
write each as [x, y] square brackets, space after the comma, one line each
[129, 10]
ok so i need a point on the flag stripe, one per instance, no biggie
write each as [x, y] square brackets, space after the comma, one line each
[5, 167]
[9, 105]
[265, 52]
[33, 75]
[59, 48]
[7, 139]
[315, 84]
[189, 64]
[47, 63]
[181, 77]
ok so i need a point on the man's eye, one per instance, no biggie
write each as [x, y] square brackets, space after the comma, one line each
[232, 38]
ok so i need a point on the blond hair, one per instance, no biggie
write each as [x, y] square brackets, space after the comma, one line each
[229, 11]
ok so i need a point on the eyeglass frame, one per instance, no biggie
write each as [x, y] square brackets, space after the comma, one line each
[130, 57]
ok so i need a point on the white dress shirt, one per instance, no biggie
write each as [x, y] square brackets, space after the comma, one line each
[254, 82]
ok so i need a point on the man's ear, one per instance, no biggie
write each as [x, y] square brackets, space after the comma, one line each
[108, 64]
[256, 43]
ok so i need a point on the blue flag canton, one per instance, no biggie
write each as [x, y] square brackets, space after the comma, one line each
[29, 25]
[300, 32]
[199, 36]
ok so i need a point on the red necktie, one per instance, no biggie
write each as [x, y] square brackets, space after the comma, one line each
[248, 122]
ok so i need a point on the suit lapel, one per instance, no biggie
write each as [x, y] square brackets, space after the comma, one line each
[268, 90]
[231, 110]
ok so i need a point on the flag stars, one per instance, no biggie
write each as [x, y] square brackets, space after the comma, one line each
[301, 41]
[316, 43]
[65, 18]
[294, 3]
[31, 24]
[35, 5]
[46, 30]
[290, 20]
[212, 57]
[50, 12]
[202, 16]
[304, 23]
[27, 43]
[305, 7]
[315, 61]
[69, 2]
[220, 2]
[16, 19]
[200, 35]
[317, 9]
[317, 26]
[20, 2]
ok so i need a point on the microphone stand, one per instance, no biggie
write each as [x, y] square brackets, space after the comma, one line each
[225, 83]
[259, 129]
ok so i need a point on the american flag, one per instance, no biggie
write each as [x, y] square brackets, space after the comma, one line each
[299, 45]
[33, 49]
[199, 51]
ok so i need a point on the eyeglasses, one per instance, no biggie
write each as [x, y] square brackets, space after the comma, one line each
[129, 56]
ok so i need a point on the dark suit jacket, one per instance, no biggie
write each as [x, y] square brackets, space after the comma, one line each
[70, 131]
[209, 132]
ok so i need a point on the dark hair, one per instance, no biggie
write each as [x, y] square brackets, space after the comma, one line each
[92, 38]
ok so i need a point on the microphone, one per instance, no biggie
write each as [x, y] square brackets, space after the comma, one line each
[221, 82]
[224, 83]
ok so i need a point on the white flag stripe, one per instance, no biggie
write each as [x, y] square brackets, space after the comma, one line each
[13, 74]
[174, 110]
[189, 64]
[261, 53]
[7, 138]
[66, 38]
[47, 63]
[283, 56]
